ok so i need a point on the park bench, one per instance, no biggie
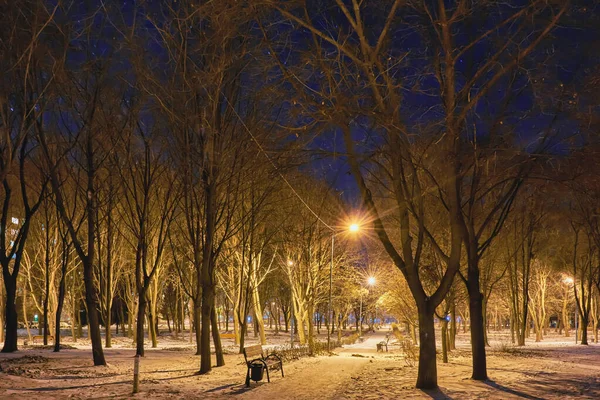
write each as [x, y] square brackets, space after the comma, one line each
[383, 343]
[255, 355]
[41, 337]
[227, 335]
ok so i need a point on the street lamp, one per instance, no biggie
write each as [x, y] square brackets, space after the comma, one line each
[370, 282]
[354, 227]
[291, 263]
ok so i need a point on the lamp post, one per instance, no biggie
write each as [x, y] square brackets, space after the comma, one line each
[352, 228]
[370, 282]
[290, 263]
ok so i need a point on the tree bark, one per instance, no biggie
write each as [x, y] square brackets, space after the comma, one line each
[61, 297]
[217, 338]
[444, 341]
[477, 326]
[208, 302]
[427, 370]
[139, 330]
[452, 341]
[10, 340]
[584, 334]
[196, 325]
[91, 299]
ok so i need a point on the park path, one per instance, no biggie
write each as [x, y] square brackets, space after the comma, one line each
[321, 377]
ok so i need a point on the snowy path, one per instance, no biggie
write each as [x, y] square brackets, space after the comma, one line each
[553, 369]
[319, 378]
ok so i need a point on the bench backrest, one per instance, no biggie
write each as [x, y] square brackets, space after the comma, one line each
[251, 352]
[41, 337]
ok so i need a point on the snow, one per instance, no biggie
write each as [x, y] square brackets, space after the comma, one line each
[554, 368]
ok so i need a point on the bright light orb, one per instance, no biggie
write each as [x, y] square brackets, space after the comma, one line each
[290, 263]
[371, 281]
[568, 280]
[354, 228]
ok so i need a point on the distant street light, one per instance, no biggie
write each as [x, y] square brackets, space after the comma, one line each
[370, 282]
[568, 280]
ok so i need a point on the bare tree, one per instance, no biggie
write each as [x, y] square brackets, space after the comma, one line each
[149, 209]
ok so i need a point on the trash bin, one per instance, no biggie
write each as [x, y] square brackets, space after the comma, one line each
[257, 370]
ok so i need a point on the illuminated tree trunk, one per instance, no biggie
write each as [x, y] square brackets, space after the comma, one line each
[477, 326]
[217, 339]
[452, 342]
[61, 293]
[427, 370]
[258, 312]
[10, 340]
[141, 316]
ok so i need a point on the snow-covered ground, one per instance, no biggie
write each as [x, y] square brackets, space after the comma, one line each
[553, 369]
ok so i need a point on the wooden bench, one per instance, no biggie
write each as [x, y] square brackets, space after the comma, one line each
[254, 354]
[383, 343]
[41, 337]
[227, 335]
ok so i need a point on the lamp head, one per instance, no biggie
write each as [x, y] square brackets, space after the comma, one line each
[568, 280]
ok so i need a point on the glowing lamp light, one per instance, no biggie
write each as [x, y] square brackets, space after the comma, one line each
[290, 263]
[354, 228]
[568, 280]
[371, 281]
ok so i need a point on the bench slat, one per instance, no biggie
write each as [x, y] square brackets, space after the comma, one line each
[252, 351]
[227, 335]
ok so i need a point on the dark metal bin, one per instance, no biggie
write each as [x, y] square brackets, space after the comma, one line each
[257, 371]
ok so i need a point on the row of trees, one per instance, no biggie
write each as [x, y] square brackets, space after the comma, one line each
[129, 159]
[151, 140]
[542, 272]
[446, 110]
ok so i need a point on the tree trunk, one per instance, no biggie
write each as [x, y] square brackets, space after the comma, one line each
[584, 324]
[91, 299]
[427, 370]
[196, 324]
[2, 313]
[61, 299]
[46, 287]
[444, 341]
[485, 320]
[477, 327]
[286, 319]
[565, 317]
[139, 330]
[311, 329]
[109, 284]
[242, 331]
[208, 303]
[10, 341]
[217, 338]
[258, 312]
[452, 342]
